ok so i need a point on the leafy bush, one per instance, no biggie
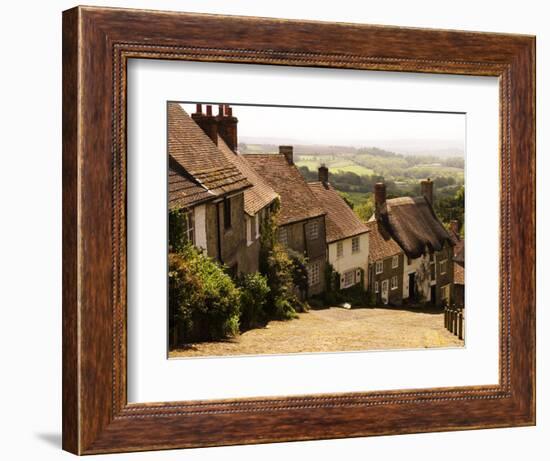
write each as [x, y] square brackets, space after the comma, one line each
[177, 230]
[299, 271]
[278, 268]
[279, 276]
[254, 291]
[204, 302]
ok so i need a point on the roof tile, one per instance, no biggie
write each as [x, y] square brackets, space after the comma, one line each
[341, 221]
[297, 200]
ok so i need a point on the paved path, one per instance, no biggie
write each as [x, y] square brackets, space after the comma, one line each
[336, 329]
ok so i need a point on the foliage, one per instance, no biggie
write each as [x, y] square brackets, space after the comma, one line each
[332, 295]
[366, 209]
[278, 268]
[451, 208]
[299, 271]
[203, 300]
[177, 230]
[254, 292]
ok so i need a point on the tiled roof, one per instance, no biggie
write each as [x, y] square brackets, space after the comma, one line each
[341, 222]
[459, 274]
[297, 200]
[381, 244]
[191, 148]
[183, 191]
[413, 224]
[260, 194]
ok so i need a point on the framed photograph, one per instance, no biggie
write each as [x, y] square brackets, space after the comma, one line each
[281, 230]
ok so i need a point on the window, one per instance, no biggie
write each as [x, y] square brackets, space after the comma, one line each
[227, 213]
[379, 267]
[339, 249]
[348, 279]
[443, 267]
[188, 226]
[355, 244]
[256, 220]
[376, 289]
[313, 271]
[312, 230]
[395, 261]
[249, 226]
[394, 282]
[283, 236]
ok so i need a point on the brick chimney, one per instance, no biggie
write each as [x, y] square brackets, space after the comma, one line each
[227, 126]
[379, 198]
[454, 226]
[288, 152]
[427, 190]
[323, 175]
[207, 122]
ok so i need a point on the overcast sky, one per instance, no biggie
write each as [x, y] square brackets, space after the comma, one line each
[399, 131]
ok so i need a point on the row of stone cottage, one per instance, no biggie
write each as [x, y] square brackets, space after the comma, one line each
[402, 253]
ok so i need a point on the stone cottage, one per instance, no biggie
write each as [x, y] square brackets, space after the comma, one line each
[428, 271]
[347, 238]
[301, 219]
[385, 266]
[206, 187]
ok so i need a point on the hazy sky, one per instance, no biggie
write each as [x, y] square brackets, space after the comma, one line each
[399, 131]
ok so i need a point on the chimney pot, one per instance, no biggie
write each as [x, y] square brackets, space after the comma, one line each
[323, 175]
[229, 111]
[288, 152]
[220, 110]
[427, 190]
[206, 122]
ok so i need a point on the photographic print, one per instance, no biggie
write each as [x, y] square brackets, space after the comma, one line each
[314, 229]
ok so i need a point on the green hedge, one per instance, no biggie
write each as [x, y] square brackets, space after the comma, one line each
[204, 302]
[254, 292]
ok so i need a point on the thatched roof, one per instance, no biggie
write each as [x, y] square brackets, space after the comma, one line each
[412, 222]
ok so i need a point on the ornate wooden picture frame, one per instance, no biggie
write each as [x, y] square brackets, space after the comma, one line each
[97, 44]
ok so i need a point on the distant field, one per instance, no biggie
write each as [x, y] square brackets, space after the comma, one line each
[357, 198]
[335, 165]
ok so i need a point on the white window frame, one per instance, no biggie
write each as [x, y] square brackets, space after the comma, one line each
[379, 266]
[313, 273]
[257, 225]
[355, 245]
[312, 230]
[376, 287]
[394, 285]
[395, 262]
[283, 236]
[349, 279]
[443, 263]
[339, 249]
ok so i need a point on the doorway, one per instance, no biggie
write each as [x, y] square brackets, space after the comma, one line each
[412, 286]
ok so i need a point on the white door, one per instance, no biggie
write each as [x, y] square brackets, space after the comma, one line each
[385, 291]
